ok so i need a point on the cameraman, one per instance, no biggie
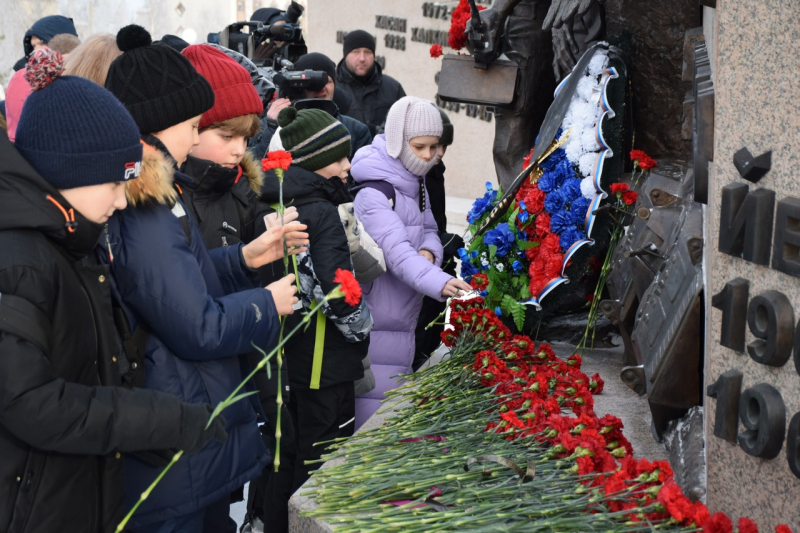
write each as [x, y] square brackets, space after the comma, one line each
[359, 133]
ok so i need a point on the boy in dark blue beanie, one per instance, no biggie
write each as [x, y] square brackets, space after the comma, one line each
[196, 313]
[65, 416]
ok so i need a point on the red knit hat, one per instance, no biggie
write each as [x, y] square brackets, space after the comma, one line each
[234, 92]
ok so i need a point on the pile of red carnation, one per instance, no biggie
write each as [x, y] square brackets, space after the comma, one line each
[458, 25]
[549, 401]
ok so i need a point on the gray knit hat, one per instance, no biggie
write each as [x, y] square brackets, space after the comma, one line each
[411, 117]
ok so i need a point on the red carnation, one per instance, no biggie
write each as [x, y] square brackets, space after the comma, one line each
[479, 282]
[629, 197]
[642, 160]
[277, 159]
[458, 25]
[782, 528]
[746, 525]
[348, 285]
[436, 50]
[718, 523]
[619, 188]
[527, 159]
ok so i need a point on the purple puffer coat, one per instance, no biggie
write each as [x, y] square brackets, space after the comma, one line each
[395, 298]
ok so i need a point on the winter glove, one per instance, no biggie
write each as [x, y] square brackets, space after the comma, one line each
[451, 244]
[194, 434]
[351, 225]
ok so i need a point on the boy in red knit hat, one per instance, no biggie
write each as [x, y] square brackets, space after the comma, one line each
[222, 200]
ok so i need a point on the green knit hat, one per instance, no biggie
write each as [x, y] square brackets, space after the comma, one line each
[446, 139]
[314, 137]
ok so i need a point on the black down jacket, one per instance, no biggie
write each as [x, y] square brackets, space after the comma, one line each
[347, 328]
[63, 416]
[372, 98]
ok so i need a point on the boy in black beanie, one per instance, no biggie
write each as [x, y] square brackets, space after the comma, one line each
[197, 311]
[64, 416]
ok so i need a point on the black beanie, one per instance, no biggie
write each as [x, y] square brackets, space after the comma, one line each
[267, 15]
[358, 39]
[317, 61]
[174, 42]
[158, 86]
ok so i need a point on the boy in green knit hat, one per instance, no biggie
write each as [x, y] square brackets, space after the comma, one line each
[326, 360]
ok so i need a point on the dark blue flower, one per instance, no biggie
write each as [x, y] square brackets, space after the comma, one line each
[498, 311]
[554, 159]
[502, 237]
[560, 222]
[467, 268]
[549, 181]
[554, 202]
[578, 210]
[569, 237]
[484, 293]
[571, 189]
[523, 216]
[482, 205]
[517, 266]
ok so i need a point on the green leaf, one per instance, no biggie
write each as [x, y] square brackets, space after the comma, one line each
[513, 217]
[515, 309]
[527, 245]
[492, 251]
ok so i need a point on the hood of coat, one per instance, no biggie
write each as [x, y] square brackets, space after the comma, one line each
[210, 178]
[29, 202]
[154, 185]
[373, 162]
[303, 185]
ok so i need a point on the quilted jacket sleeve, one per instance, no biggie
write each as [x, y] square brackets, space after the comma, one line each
[402, 260]
[165, 283]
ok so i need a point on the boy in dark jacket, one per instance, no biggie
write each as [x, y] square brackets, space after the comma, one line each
[222, 199]
[199, 309]
[325, 361]
[64, 416]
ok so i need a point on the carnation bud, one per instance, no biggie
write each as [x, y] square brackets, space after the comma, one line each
[504, 408]
[571, 390]
[612, 445]
[578, 429]
[606, 429]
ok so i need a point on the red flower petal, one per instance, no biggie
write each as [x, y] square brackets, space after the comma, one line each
[349, 285]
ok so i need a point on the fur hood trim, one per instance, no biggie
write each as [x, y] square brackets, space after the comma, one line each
[154, 184]
[251, 169]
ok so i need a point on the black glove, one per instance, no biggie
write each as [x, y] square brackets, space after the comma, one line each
[451, 243]
[194, 434]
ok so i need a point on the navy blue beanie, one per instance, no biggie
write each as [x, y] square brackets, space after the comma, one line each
[74, 132]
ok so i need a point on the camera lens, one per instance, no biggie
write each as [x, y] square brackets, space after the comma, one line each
[293, 13]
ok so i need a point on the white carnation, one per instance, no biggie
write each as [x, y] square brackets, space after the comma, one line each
[586, 88]
[587, 188]
[586, 164]
[598, 63]
[589, 140]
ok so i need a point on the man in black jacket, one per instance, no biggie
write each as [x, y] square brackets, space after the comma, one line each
[372, 91]
[64, 416]
[360, 134]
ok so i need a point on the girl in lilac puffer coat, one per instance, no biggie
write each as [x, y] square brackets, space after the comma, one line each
[408, 236]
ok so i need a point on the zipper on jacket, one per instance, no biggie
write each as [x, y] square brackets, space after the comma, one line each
[108, 244]
[229, 228]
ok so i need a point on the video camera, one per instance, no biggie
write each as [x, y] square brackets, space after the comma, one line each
[292, 84]
[264, 43]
